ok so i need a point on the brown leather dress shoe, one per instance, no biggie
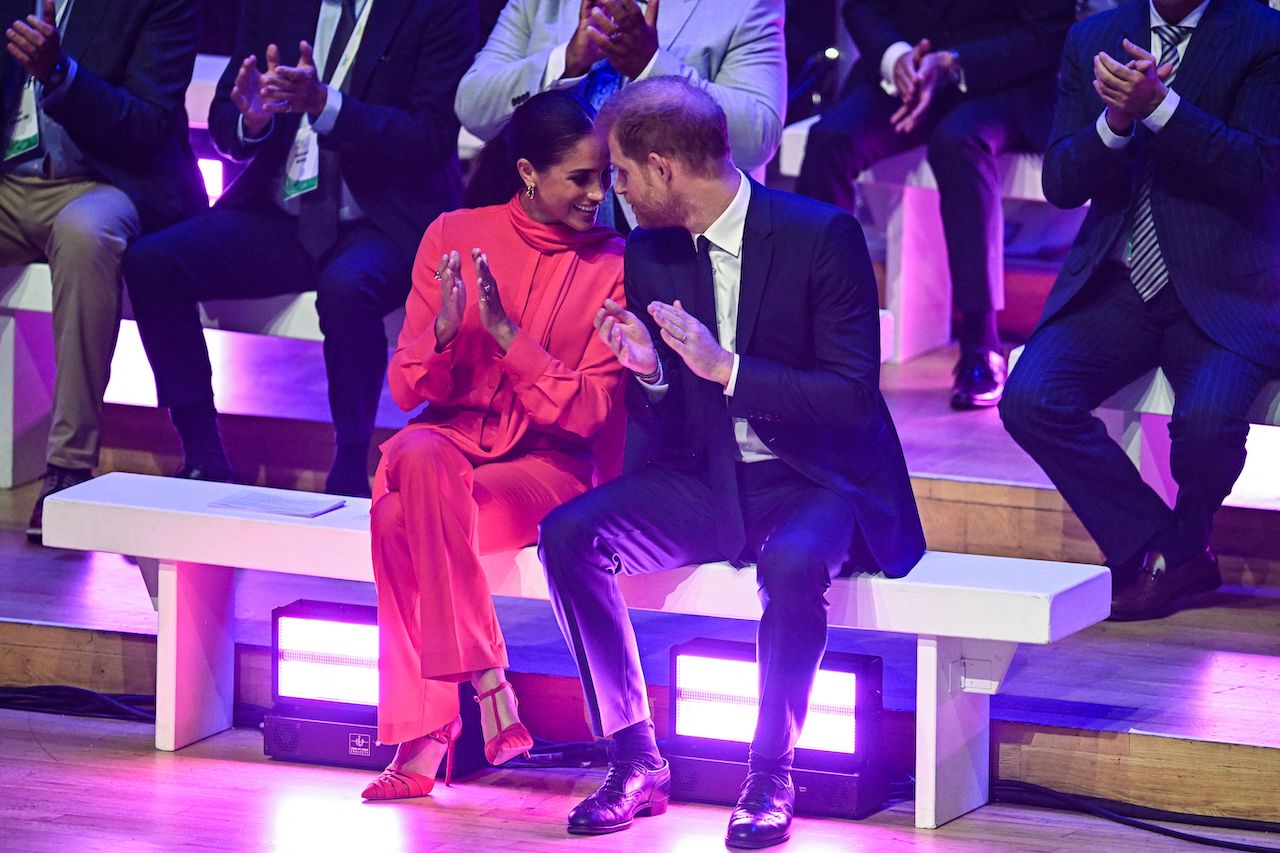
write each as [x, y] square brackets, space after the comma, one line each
[1158, 588]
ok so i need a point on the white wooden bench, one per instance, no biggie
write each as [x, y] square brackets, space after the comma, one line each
[968, 612]
[1145, 406]
[917, 279]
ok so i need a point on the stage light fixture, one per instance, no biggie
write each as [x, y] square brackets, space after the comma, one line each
[713, 705]
[324, 686]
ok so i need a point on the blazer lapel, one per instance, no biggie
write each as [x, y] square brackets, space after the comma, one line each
[82, 28]
[1209, 40]
[672, 16]
[757, 256]
[384, 21]
[1134, 26]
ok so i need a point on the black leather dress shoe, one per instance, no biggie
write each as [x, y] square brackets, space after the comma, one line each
[762, 817]
[201, 472]
[980, 377]
[1156, 591]
[629, 790]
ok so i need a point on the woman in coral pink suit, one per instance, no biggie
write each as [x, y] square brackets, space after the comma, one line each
[500, 348]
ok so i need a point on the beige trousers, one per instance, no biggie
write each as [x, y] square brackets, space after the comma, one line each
[81, 227]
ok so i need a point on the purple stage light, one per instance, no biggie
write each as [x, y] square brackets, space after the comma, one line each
[839, 768]
[716, 698]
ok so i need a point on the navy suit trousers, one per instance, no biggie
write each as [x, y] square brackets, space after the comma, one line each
[659, 519]
[1104, 339]
[247, 254]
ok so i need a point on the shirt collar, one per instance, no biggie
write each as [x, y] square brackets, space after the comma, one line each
[726, 232]
[1189, 21]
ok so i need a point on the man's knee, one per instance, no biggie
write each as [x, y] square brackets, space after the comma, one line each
[150, 267]
[569, 534]
[84, 232]
[1202, 429]
[953, 145]
[794, 568]
[1018, 407]
[1030, 407]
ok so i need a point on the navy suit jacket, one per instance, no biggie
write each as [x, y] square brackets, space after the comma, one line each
[1215, 196]
[126, 107]
[1005, 46]
[808, 382]
[397, 136]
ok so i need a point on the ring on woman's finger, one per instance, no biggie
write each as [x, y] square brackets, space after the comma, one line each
[613, 36]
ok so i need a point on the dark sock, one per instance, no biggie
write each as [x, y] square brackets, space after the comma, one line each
[978, 332]
[197, 426]
[636, 744]
[780, 766]
[349, 473]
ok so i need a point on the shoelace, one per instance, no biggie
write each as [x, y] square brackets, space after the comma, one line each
[615, 782]
[760, 791]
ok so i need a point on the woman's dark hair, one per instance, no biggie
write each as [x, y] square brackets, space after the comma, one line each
[541, 130]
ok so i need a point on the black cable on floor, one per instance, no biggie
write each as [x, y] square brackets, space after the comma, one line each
[1025, 793]
[78, 702]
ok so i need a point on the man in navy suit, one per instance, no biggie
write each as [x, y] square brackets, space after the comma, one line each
[363, 89]
[970, 79]
[95, 152]
[757, 431]
[1167, 125]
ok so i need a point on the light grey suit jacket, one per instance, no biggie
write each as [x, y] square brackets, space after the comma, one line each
[732, 48]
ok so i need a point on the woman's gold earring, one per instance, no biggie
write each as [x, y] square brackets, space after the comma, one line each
[529, 191]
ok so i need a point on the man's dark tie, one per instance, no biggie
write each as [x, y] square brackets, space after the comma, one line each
[318, 209]
[717, 426]
[1147, 268]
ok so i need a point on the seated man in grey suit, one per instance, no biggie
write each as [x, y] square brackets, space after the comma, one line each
[734, 51]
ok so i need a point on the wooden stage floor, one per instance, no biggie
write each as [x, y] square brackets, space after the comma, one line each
[97, 786]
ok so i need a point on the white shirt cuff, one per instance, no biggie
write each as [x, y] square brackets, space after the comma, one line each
[1110, 138]
[891, 56]
[329, 115]
[271, 125]
[648, 69]
[553, 77]
[733, 377]
[1160, 115]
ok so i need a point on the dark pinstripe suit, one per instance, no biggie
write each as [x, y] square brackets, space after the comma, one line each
[1215, 331]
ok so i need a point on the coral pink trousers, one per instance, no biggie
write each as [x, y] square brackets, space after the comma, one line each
[434, 512]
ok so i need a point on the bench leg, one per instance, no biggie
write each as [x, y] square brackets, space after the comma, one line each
[953, 735]
[26, 395]
[1145, 439]
[195, 653]
[917, 278]
[149, 568]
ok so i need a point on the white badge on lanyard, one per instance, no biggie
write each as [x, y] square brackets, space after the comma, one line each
[23, 131]
[302, 169]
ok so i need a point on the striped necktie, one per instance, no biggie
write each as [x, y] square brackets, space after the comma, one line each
[1147, 269]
